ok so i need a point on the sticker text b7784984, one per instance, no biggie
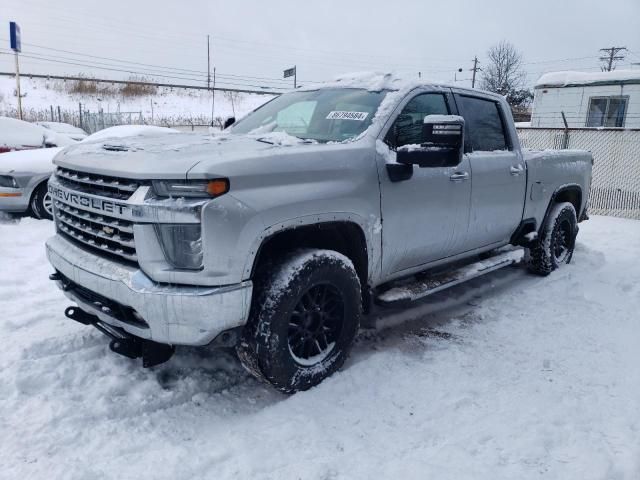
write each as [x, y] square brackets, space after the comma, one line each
[342, 115]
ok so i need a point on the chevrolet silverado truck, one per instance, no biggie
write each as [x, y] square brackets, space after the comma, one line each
[278, 236]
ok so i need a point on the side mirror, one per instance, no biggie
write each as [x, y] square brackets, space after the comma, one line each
[441, 146]
[228, 122]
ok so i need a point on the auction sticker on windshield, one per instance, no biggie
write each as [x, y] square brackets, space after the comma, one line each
[342, 115]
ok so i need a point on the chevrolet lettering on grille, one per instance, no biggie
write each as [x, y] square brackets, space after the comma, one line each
[73, 198]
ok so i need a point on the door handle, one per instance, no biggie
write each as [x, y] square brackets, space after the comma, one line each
[459, 177]
[516, 169]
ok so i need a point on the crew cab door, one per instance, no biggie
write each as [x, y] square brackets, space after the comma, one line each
[423, 213]
[498, 172]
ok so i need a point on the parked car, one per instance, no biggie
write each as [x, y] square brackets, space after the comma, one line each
[276, 237]
[19, 135]
[24, 174]
[70, 131]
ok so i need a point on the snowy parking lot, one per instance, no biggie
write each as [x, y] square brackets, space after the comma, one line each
[510, 376]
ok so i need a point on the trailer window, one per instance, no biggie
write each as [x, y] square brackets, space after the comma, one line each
[607, 112]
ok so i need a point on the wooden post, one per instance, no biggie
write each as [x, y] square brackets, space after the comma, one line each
[565, 140]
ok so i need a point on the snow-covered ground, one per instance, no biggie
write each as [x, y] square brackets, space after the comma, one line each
[509, 377]
[171, 106]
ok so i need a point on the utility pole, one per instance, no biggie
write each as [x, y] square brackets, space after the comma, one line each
[208, 64]
[18, 87]
[612, 56]
[474, 70]
[213, 97]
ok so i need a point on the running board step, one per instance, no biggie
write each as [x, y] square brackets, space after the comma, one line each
[411, 292]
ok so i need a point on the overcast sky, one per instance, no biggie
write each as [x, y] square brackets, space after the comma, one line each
[253, 38]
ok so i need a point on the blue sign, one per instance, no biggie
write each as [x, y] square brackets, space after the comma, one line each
[14, 37]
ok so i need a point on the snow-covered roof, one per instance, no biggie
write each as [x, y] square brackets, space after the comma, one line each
[17, 135]
[372, 81]
[572, 79]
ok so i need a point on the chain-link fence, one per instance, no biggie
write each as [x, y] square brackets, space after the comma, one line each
[94, 121]
[615, 189]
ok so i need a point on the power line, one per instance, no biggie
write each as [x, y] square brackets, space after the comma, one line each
[261, 90]
[240, 82]
[179, 71]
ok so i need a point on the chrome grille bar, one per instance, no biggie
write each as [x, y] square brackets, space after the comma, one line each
[90, 230]
[80, 237]
[120, 225]
[99, 184]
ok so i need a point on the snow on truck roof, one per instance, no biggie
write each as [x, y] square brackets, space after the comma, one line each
[372, 81]
[576, 79]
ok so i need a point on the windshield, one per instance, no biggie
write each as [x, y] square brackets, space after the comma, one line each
[332, 114]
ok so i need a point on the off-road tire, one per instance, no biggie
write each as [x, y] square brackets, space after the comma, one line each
[37, 203]
[282, 289]
[556, 240]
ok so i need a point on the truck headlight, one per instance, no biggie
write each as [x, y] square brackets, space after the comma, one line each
[182, 245]
[8, 181]
[191, 188]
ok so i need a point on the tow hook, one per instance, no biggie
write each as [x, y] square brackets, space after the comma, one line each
[123, 343]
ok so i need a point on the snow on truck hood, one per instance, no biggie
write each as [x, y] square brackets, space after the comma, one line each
[169, 156]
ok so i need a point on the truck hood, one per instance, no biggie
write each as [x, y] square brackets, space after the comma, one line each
[183, 155]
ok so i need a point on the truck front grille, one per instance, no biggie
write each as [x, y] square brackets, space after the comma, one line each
[110, 235]
[101, 185]
[107, 234]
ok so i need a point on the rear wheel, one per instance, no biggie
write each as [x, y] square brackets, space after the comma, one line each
[555, 244]
[304, 317]
[41, 203]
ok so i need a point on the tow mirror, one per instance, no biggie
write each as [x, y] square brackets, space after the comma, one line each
[228, 122]
[441, 146]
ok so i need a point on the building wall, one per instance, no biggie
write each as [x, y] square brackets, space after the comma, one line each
[548, 102]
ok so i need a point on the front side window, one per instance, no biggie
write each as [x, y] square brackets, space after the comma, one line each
[407, 128]
[484, 128]
[607, 111]
[326, 115]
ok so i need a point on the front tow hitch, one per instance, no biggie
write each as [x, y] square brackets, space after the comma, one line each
[123, 343]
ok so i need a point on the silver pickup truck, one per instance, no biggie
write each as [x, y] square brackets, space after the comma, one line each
[278, 236]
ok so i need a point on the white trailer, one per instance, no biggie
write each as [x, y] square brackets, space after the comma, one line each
[596, 100]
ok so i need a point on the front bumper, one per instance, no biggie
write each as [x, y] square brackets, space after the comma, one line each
[15, 200]
[172, 314]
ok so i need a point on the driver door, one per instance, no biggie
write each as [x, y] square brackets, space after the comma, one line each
[425, 215]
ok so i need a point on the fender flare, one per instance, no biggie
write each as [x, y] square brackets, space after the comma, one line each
[369, 230]
[569, 187]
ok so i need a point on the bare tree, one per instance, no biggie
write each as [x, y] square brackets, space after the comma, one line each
[503, 73]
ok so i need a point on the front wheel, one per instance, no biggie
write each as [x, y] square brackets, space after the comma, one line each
[41, 203]
[556, 242]
[304, 317]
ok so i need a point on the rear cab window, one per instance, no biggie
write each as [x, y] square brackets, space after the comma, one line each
[484, 124]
